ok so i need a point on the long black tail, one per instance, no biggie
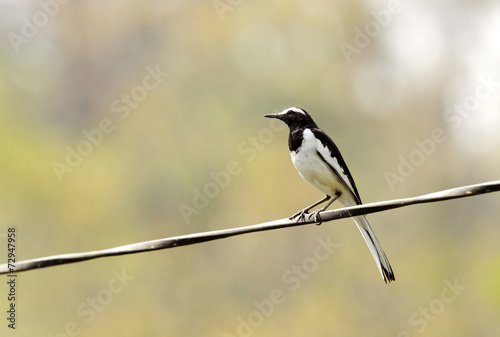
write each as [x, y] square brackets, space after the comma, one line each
[375, 248]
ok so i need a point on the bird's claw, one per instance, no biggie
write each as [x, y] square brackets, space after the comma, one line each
[301, 216]
[317, 218]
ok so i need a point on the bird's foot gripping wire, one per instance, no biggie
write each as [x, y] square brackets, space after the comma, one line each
[317, 218]
[301, 216]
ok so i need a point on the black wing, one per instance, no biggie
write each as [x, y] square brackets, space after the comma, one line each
[330, 145]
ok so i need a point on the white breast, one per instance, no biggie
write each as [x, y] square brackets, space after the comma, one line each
[315, 171]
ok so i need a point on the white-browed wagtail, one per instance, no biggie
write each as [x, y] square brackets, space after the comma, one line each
[320, 163]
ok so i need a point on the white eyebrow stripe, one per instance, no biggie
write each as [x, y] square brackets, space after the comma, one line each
[294, 109]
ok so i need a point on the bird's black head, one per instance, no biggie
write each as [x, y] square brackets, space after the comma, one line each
[294, 118]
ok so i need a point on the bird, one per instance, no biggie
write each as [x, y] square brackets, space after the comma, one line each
[319, 162]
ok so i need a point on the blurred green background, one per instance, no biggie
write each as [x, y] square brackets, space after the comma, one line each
[125, 121]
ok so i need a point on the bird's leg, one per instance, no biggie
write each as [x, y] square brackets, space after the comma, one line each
[315, 214]
[301, 215]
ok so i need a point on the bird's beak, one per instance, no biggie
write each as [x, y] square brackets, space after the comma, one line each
[272, 116]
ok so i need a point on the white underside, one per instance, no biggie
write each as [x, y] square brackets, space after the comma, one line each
[317, 173]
